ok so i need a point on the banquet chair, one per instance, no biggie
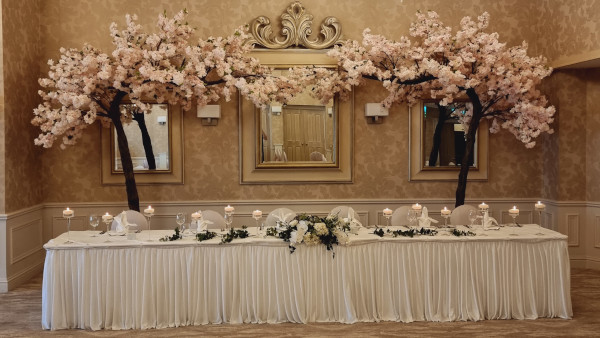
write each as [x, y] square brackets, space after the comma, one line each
[460, 215]
[218, 221]
[400, 216]
[133, 217]
[317, 156]
[279, 214]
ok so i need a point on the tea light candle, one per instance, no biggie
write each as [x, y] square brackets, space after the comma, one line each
[107, 218]
[387, 212]
[149, 210]
[229, 208]
[196, 215]
[514, 210]
[484, 206]
[257, 214]
[540, 206]
[417, 207]
[445, 211]
[68, 212]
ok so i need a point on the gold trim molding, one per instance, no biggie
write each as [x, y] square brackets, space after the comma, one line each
[296, 30]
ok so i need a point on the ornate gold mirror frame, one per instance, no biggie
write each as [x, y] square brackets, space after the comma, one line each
[296, 32]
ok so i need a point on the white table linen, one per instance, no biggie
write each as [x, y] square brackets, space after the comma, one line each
[520, 273]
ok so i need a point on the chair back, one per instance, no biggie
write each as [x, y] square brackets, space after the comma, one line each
[136, 221]
[218, 221]
[344, 211]
[279, 214]
[400, 216]
[460, 215]
[317, 156]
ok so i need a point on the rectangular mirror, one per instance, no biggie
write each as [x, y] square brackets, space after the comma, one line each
[444, 137]
[147, 153]
[301, 141]
[165, 130]
[437, 143]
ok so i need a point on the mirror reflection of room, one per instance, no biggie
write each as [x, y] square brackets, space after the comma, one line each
[301, 131]
[148, 138]
[443, 136]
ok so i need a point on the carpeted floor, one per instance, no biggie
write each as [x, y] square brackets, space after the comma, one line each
[20, 316]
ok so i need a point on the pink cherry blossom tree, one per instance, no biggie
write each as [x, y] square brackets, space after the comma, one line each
[88, 85]
[498, 81]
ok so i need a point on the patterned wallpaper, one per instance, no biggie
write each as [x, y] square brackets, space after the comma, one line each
[593, 135]
[21, 55]
[211, 153]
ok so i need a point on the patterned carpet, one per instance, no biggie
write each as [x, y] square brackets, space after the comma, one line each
[20, 316]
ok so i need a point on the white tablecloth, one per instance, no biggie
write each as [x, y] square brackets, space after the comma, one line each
[518, 273]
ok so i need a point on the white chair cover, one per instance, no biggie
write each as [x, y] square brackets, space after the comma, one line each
[317, 156]
[280, 214]
[134, 219]
[400, 216]
[218, 221]
[344, 211]
[460, 215]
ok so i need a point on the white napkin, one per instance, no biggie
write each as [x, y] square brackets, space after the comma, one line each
[121, 220]
[424, 220]
[354, 223]
[488, 221]
[203, 224]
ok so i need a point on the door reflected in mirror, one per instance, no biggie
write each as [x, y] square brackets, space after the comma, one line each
[444, 137]
[302, 131]
[148, 136]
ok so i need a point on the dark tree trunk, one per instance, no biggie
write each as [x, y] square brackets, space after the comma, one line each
[139, 118]
[437, 135]
[133, 199]
[470, 143]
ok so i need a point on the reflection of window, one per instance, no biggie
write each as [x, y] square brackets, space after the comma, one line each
[151, 152]
[443, 136]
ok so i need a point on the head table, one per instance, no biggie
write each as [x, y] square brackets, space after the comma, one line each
[520, 273]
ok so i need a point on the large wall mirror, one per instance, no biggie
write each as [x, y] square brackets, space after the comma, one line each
[303, 140]
[437, 143]
[155, 144]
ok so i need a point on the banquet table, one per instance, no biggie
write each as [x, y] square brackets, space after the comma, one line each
[520, 273]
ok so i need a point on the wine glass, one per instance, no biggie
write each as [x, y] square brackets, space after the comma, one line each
[412, 217]
[180, 219]
[94, 221]
[473, 214]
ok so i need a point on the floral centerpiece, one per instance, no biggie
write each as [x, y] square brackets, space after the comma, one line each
[313, 230]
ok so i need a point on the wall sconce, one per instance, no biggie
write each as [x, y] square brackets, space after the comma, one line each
[373, 112]
[276, 110]
[161, 120]
[329, 111]
[209, 114]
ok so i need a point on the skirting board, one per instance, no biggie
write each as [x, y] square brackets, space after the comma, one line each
[21, 277]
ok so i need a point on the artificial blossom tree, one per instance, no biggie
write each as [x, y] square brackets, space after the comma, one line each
[88, 85]
[498, 81]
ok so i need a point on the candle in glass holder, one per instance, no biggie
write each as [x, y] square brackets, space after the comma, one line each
[484, 206]
[257, 214]
[539, 206]
[68, 212]
[417, 207]
[149, 210]
[107, 218]
[196, 215]
[514, 211]
[387, 212]
[229, 208]
[446, 211]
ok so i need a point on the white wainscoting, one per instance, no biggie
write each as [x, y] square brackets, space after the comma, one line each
[22, 255]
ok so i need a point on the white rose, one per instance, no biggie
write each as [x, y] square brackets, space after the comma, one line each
[293, 237]
[294, 223]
